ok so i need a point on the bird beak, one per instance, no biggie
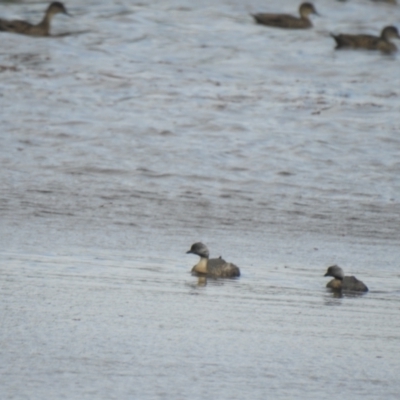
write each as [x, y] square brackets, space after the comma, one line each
[189, 252]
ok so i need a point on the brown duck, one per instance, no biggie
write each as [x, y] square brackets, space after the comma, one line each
[288, 21]
[369, 42]
[41, 29]
[212, 267]
[341, 282]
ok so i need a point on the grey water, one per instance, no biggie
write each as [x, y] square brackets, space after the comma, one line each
[141, 127]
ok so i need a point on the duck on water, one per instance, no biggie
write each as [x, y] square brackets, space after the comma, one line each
[41, 29]
[214, 267]
[341, 282]
[288, 21]
[369, 42]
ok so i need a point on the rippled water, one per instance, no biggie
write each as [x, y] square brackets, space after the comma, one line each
[143, 127]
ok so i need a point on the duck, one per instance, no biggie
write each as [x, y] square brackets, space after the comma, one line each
[41, 29]
[288, 21]
[369, 42]
[341, 282]
[214, 267]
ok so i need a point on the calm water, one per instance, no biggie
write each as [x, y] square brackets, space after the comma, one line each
[146, 126]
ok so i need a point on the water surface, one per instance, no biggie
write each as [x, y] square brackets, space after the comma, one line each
[140, 128]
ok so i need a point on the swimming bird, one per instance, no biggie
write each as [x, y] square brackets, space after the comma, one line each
[214, 267]
[369, 42]
[288, 21]
[41, 29]
[341, 282]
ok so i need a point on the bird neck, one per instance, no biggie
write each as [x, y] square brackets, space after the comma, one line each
[45, 24]
[201, 266]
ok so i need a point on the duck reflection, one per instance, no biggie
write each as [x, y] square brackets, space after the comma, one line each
[201, 281]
